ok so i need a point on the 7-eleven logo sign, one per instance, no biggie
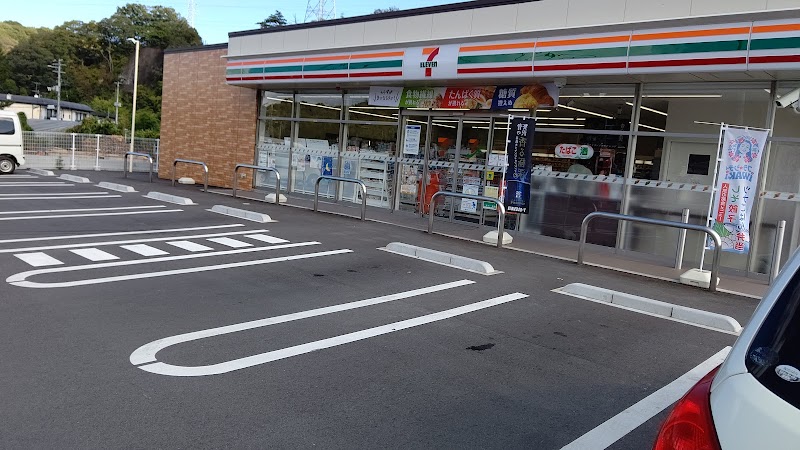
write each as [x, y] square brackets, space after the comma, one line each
[429, 63]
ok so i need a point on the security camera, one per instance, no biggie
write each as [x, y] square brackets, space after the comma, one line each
[788, 99]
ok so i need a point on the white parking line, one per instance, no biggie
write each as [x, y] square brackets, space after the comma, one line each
[127, 241]
[62, 198]
[39, 211]
[190, 246]
[228, 242]
[20, 279]
[122, 233]
[38, 259]
[623, 423]
[144, 250]
[266, 238]
[37, 184]
[61, 216]
[18, 176]
[94, 254]
[53, 194]
[288, 352]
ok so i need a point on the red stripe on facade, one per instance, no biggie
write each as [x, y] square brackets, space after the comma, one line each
[496, 69]
[376, 74]
[688, 62]
[282, 77]
[774, 59]
[325, 75]
[589, 66]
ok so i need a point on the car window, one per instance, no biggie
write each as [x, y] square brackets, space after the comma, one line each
[6, 126]
[774, 357]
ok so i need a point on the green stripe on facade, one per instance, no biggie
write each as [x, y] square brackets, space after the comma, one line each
[273, 69]
[775, 43]
[233, 72]
[376, 64]
[693, 47]
[505, 57]
[322, 67]
[613, 52]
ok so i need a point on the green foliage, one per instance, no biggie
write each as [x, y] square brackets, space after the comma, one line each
[95, 55]
[23, 120]
[12, 33]
[275, 19]
[93, 125]
[385, 10]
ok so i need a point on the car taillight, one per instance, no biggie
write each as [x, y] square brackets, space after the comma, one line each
[690, 426]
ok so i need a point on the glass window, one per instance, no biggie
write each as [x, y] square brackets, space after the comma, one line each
[6, 126]
[274, 104]
[590, 107]
[320, 106]
[359, 109]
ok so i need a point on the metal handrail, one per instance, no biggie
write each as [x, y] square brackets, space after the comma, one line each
[501, 211]
[347, 180]
[125, 163]
[189, 161]
[265, 168]
[666, 223]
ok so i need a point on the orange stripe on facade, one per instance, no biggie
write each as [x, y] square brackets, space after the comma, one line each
[776, 28]
[481, 48]
[692, 33]
[265, 62]
[377, 55]
[428, 50]
[597, 40]
[327, 58]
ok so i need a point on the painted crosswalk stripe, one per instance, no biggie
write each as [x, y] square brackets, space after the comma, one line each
[144, 250]
[232, 243]
[38, 259]
[94, 254]
[190, 246]
[266, 238]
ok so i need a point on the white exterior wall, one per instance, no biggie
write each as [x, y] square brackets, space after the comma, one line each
[506, 19]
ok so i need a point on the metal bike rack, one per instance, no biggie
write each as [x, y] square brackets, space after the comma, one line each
[347, 180]
[501, 211]
[125, 163]
[665, 223]
[189, 161]
[265, 168]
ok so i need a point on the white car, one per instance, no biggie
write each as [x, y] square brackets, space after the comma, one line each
[751, 401]
[11, 155]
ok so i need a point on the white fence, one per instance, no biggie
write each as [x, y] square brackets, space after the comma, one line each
[73, 151]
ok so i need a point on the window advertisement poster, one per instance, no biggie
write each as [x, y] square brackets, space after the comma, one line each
[468, 204]
[412, 138]
[530, 96]
[327, 165]
[737, 183]
[518, 175]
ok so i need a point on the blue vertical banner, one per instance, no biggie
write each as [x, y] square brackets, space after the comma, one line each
[327, 165]
[518, 173]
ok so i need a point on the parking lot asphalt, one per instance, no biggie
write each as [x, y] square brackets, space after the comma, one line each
[130, 322]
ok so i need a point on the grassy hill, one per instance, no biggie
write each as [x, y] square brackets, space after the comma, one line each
[12, 33]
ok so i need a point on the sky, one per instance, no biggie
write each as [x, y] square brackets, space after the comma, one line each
[213, 20]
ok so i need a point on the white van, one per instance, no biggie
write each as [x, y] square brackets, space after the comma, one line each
[11, 155]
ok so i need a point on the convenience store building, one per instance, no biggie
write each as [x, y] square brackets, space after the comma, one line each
[628, 96]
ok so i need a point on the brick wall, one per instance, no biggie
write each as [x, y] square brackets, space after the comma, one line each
[204, 119]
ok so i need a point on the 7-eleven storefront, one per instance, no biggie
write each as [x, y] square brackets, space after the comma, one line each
[627, 117]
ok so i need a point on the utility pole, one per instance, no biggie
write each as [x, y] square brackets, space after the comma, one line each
[56, 66]
[117, 104]
[36, 90]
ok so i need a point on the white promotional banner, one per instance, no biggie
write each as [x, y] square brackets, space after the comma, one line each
[737, 183]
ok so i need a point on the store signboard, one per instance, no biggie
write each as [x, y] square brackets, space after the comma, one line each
[411, 139]
[432, 62]
[531, 96]
[518, 175]
[573, 151]
[737, 183]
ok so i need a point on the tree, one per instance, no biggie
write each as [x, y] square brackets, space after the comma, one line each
[275, 19]
[385, 10]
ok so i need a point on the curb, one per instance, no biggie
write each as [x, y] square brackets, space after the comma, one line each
[170, 198]
[241, 213]
[116, 187]
[46, 173]
[446, 259]
[694, 316]
[74, 178]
